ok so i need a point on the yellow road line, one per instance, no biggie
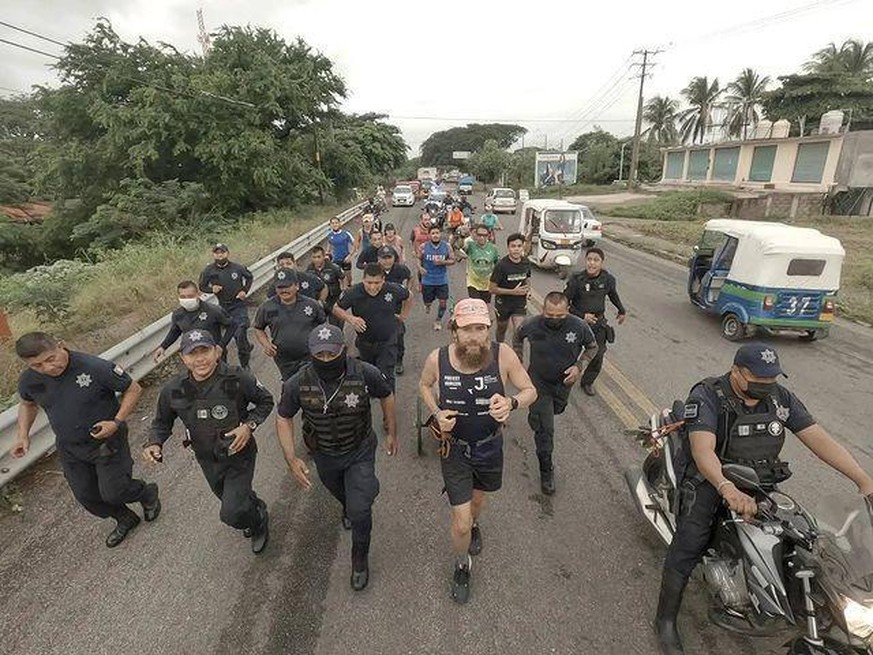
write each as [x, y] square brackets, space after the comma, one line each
[617, 406]
[632, 390]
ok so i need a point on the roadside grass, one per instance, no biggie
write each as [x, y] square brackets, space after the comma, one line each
[670, 205]
[135, 285]
[675, 239]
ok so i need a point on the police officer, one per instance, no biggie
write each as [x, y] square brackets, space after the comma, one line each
[560, 346]
[308, 284]
[331, 275]
[290, 318]
[78, 393]
[396, 273]
[472, 405]
[334, 391]
[220, 406]
[588, 291]
[373, 305]
[230, 282]
[370, 254]
[195, 314]
[740, 418]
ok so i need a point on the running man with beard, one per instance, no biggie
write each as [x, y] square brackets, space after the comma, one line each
[469, 412]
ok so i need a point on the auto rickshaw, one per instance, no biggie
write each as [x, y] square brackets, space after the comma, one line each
[555, 232]
[766, 276]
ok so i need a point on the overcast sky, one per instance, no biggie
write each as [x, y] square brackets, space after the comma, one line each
[558, 67]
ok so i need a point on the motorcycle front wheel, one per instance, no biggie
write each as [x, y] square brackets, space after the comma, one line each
[828, 646]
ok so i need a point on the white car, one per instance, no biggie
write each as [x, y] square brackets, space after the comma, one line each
[592, 229]
[502, 200]
[403, 196]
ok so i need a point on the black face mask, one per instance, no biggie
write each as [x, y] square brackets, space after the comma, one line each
[332, 370]
[554, 323]
[760, 390]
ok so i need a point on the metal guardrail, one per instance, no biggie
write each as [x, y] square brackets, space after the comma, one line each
[134, 355]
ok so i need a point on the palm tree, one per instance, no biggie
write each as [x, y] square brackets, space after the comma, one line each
[853, 57]
[745, 95]
[702, 98]
[660, 114]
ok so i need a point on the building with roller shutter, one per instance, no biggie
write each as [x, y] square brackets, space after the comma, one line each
[782, 176]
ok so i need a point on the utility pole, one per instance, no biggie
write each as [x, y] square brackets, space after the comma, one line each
[635, 153]
[203, 35]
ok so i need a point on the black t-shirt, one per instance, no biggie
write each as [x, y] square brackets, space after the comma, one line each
[84, 394]
[378, 311]
[290, 325]
[508, 274]
[207, 316]
[554, 351]
[588, 295]
[289, 404]
[330, 274]
[233, 278]
[399, 274]
[705, 403]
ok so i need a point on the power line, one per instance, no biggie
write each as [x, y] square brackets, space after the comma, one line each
[530, 119]
[39, 36]
[24, 47]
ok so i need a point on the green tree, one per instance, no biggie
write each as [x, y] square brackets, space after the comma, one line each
[489, 162]
[599, 155]
[745, 95]
[522, 163]
[19, 138]
[804, 99]
[854, 57]
[660, 114]
[702, 97]
[438, 147]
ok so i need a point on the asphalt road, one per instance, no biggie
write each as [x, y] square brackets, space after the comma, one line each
[575, 573]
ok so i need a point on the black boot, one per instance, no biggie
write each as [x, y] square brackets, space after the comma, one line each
[547, 482]
[126, 521]
[261, 531]
[360, 567]
[672, 587]
[151, 502]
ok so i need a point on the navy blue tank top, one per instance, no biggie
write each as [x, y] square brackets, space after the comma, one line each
[469, 394]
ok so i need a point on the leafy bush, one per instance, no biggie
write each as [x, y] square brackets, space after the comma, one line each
[671, 206]
[45, 290]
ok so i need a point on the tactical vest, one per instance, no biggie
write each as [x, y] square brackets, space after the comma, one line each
[208, 418]
[753, 440]
[339, 423]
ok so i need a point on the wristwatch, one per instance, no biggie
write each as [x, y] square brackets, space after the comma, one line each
[514, 402]
[252, 425]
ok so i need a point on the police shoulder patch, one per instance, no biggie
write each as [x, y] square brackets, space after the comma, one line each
[118, 370]
[691, 411]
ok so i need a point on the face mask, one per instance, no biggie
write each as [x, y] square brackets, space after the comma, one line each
[189, 304]
[760, 390]
[554, 323]
[332, 370]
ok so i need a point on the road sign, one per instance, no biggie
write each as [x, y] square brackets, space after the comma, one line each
[461, 154]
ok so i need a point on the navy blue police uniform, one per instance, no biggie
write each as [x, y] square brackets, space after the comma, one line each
[209, 409]
[338, 430]
[555, 346]
[401, 275]
[752, 436]
[99, 472]
[233, 278]
[289, 326]
[588, 295]
[310, 285]
[378, 344]
[206, 316]
[331, 275]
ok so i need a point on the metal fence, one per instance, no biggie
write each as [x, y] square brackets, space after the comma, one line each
[134, 355]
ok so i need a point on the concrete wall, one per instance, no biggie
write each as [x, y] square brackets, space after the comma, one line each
[778, 205]
[855, 167]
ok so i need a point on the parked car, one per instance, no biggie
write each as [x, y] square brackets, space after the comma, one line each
[502, 200]
[403, 196]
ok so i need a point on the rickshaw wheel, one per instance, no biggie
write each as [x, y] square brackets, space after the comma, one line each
[809, 335]
[732, 329]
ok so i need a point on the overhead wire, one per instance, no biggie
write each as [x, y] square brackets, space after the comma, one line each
[36, 34]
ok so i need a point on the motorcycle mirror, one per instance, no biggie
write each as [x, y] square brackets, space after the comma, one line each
[744, 477]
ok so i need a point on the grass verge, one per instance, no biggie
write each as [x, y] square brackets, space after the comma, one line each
[135, 285]
[672, 205]
[576, 190]
[674, 240]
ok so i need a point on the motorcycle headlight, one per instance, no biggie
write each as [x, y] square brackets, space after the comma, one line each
[859, 619]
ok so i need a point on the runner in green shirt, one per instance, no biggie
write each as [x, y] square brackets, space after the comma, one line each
[482, 256]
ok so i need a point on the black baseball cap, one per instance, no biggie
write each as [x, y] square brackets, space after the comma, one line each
[194, 339]
[285, 277]
[326, 338]
[386, 251]
[220, 247]
[761, 360]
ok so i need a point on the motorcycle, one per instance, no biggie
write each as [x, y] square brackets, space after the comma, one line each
[780, 569]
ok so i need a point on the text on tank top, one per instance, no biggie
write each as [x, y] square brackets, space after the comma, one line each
[469, 394]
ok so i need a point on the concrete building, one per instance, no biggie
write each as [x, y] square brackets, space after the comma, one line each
[830, 171]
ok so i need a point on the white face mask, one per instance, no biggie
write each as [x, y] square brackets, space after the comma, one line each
[189, 304]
